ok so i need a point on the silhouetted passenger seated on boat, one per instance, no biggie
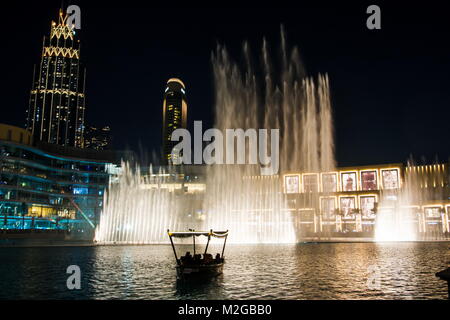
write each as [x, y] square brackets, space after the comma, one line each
[218, 258]
[187, 259]
[207, 258]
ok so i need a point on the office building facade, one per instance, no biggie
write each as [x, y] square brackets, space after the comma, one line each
[57, 105]
[174, 115]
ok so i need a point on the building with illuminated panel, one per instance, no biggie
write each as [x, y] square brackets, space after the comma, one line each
[174, 115]
[49, 187]
[344, 203]
[57, 99]
[348, 200]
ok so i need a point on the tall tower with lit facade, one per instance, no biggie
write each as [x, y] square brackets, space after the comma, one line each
[174, 114]
[57, 100]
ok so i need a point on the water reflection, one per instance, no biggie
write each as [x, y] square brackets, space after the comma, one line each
[303, 271]
[208, 288]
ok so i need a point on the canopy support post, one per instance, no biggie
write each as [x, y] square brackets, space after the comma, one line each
[207, 244]
[193, 237]
[173, 247]
[224, 243]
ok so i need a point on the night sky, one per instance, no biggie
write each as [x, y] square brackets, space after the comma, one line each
[390, 87]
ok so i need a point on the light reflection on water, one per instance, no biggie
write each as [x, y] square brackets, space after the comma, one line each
[304, 271]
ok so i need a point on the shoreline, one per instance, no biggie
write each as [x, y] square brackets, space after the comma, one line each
[33, 243]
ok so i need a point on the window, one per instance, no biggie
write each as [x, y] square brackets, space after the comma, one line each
[367, 206]
[310, 183]
[349, 181]
[390, 179]
[291, 184]
[347, 206]
[329, 182]
[80, 190]
[328, 206]
[369, 180]
[432, 212]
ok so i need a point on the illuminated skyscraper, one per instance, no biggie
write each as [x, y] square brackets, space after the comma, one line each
[174, 114]
[57, 101]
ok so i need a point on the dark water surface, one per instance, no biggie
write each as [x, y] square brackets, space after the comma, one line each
[303, 271]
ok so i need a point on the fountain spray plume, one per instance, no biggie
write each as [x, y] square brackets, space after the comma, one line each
[139, 208]
[237, 198]
[399, 217]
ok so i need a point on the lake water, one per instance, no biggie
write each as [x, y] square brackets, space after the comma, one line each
[302, 271]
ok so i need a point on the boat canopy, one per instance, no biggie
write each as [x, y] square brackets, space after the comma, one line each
[193, 234]
[217, 234]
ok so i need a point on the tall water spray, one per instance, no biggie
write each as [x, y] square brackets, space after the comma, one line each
[399, 217]
[138, 209]
[238, 197]
[395, 217]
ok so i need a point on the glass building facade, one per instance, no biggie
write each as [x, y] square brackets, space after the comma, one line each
[42, 187]
[57, 98]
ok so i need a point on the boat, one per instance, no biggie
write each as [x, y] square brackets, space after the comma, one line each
[198, 265]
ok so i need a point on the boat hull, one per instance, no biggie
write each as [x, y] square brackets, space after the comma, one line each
[198, 271]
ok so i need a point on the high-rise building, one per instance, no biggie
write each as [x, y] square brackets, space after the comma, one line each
[174, 114]
[57, 100]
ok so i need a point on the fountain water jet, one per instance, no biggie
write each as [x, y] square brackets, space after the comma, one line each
[398, 217]
[237, 197]
[138, 210]
[254, 206]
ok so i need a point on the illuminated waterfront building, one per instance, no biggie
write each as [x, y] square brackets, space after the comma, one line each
[174, 115]
[348, 201]
[345, 203]
[46, 186]
[57, 99]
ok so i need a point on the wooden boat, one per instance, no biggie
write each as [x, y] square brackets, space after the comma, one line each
[194, 266]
